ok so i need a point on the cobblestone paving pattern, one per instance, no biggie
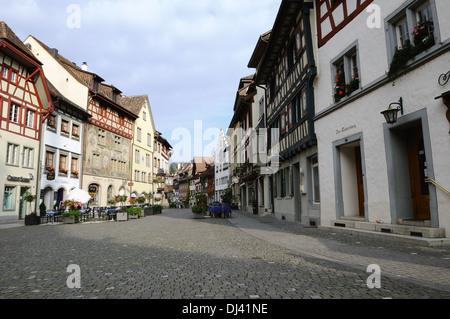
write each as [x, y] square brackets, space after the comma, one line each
[173, 256]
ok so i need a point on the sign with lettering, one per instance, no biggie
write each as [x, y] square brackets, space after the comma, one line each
[18, 179]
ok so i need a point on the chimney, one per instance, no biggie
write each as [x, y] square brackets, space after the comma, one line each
[84, 67]
[54, 52]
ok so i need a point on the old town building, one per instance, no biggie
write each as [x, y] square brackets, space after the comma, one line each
[25, 102]
[379, 172]
[61, 150]
[143, 145]
[285, 66]
[108, 133]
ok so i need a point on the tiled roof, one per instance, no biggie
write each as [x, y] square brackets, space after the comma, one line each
[133, 103]
[7, 34]
[87, 78]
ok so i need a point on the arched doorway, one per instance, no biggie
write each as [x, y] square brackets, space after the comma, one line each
[94, 191]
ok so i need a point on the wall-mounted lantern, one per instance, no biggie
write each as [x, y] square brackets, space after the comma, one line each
[391, 114]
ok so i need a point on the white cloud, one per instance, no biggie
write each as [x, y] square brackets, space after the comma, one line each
[188, 56]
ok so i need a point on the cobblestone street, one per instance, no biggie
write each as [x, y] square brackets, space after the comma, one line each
[174, 256]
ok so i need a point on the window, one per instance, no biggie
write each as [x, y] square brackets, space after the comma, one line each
[117, 143]
[149, 140]
[137, 157]
[13, 76]
[5, 72]
[137, 176]
[402, 33]
[144, 116]
[65, 126]
[315, 180]
[75, 131]
[30, 118]
[12, 154]
[346, 73]
[14, 113]
[147, 160]
[101, 137]
[63, 164]
[28, 155]
[49, 159]
[74, 167]
[139, 134]
[411, 26]
[109, 193]
[8, 198]
[51, 121]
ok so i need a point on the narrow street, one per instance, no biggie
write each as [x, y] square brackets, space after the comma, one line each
[174, 256]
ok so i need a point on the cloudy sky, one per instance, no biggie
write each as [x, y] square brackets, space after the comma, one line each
[188, 56]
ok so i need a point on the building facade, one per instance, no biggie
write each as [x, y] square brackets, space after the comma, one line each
[108, 133]
[221, 167]
[61, 150]
[143, 145]
[25, 102]
[285, 66]
[379, 176]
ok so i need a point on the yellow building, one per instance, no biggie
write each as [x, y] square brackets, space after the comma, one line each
[143, 145]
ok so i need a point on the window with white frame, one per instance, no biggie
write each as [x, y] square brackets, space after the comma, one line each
[14, 113]
[28, 156]
[30, 118]
[12, 154]
[137, 156]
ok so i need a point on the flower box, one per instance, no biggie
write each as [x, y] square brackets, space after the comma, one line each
[122, 217]
[32, 220]
[71, 220]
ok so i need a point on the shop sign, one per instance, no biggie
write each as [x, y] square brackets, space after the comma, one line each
[51, 176]
[18, 179]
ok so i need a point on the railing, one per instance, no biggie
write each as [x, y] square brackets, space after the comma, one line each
[442, 188]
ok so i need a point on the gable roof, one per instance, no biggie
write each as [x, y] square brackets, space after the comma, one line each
[7, 34]
[88, 79]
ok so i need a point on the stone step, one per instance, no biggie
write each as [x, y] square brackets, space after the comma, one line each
[407, 230]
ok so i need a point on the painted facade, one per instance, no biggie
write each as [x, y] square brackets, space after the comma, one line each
[108, 133]
[374, 175]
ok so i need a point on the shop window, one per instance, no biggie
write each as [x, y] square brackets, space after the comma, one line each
[8, 198]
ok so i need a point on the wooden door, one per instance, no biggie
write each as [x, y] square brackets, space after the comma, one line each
[418, 173]
[360, 181]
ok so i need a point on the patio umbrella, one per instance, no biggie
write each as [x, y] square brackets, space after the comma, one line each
[79, 195]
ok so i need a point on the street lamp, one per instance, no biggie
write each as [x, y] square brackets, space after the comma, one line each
[391, 114]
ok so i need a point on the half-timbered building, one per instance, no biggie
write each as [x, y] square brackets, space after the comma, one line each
[286, 67]
[25, 102]
[108, 133]
[380, 173]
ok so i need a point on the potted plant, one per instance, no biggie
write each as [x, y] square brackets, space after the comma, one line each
[71, 217]
[141, 200]
[133, 213]
[42, 209]
[201, 208]
[122, 215]
[157, 209]
[32, 219]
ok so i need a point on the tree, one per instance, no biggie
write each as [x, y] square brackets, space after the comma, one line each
[227, 196]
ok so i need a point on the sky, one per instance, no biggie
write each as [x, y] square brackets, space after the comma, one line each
[187, 56]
